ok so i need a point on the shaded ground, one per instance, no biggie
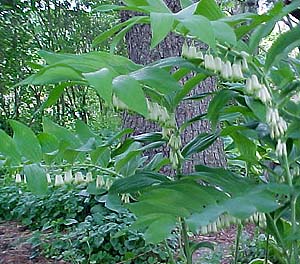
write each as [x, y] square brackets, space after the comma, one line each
[15, 250]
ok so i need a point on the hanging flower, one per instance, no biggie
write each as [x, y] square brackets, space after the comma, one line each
[48, 178]
[281, 148]
[89, 177]
[68, 176]
[78, 177]
[18, 178]
[58, 180]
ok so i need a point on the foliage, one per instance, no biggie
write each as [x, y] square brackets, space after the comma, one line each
[72, 225]
[255, 108]
[58, 26]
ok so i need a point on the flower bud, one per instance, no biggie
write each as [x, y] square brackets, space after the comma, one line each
[78, 177]
[89, 177]
[281, 148]
[249, 86]
[25, 179]
[58, 180]
[118, 103]
[228, 69]
[255, 83]
[18, 178]
[245, 66]
[68, 178]
[264, 95]
[237, 71]
[48, 178]
[218, 64]
[209, 62]
[100, 182]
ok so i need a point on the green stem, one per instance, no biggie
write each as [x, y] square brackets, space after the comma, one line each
[294, 258]
[186, 242]
[237, 243]
[278, 235]
[294, 255]
[267, 249]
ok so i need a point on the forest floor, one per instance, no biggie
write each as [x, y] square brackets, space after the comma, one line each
[15, 248]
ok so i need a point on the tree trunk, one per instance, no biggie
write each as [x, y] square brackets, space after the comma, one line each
[138, 44]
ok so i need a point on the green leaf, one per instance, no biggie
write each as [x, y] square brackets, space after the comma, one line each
[8, 148]
[152, 77]
[217, 104]
[138, 182]
[61, 133]
[159, 229]
[284, 44]
[129, 91]
[198, 144]
[186, 3]
[53, 74]
[161, 25]
[49, 143]
[102, 82]
[55, 94]
[26, 141]
[36, 178]
[209, 9]
[224, 33]
[200, 27]
[83, 131]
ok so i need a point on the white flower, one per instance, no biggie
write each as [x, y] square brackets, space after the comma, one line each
[118, 103]
[237, 71]
[25, 179]
[100, 182]
[224, 71]
[209, 62]
[78, 177]
[245, 66]
[255, 83]
[281, 148]
[264, 95]
[191, 52]
[228, 69]
[18, 178]
[68, 176]
[89, 177]
[249, 86]
[218, 64]
[58, 180]
[48, 178]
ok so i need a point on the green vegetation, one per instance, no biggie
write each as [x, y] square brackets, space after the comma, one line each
[255, 110]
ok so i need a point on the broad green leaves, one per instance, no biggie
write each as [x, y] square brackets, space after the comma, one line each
[161, 25]
[26, 142]
[8, 147]
[102, 82]
[127, 88]
[36, 178]
[285, 43]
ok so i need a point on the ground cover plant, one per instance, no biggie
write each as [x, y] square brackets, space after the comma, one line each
[255, 108]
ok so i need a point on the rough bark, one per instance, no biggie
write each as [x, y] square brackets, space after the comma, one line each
[138, 44]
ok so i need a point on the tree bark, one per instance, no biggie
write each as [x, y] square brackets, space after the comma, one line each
[138, 45]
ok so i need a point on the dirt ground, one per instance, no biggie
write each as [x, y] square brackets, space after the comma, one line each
[14, 248]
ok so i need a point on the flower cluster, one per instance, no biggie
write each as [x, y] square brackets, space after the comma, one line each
[103, 183]
[277, 124]
[281, 148]
[225, 220]
[260, 91]
[118, 103]
[191, 52]
[157, 112]
[68, 178]
[226, 69]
